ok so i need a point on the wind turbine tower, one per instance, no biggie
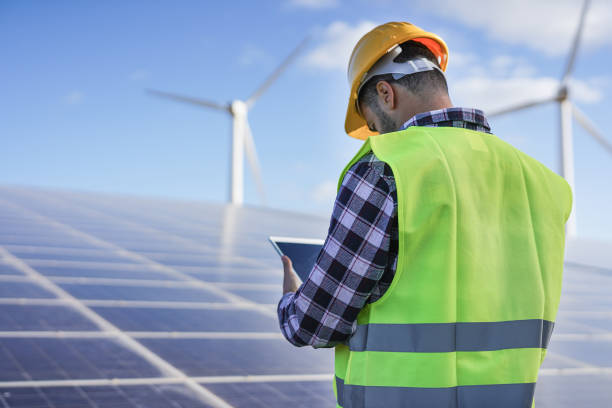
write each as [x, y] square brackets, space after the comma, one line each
[242, 138]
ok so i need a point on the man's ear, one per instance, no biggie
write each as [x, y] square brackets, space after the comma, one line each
[386, 95]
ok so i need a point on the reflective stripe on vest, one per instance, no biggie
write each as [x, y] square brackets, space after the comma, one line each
[448, 337]
[472, 396]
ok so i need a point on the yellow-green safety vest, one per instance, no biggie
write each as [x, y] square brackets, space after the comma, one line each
[471, 308]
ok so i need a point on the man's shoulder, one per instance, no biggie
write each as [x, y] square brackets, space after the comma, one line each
[370, 166]
[370, 161]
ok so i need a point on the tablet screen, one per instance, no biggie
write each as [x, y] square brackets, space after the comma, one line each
[303, 253]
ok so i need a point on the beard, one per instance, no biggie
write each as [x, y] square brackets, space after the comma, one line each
[387, 124]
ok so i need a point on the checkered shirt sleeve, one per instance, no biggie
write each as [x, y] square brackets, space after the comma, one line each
[355, 265]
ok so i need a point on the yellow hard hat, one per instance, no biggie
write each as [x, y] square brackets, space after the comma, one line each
[370, 48]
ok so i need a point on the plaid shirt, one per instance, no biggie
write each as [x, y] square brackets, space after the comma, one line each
[357, 262]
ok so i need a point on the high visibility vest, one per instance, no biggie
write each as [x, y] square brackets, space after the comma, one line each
[471, 308]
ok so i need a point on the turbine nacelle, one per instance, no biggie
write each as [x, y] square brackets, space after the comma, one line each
[562, 93]
[238, 108]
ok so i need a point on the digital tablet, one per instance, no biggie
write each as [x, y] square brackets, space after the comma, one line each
[302, 251]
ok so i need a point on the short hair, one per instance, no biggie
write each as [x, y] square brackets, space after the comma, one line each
[419, 83]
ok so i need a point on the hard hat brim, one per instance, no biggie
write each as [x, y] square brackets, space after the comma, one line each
[354, 125]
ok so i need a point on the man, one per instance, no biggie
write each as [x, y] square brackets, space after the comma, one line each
[439, 281]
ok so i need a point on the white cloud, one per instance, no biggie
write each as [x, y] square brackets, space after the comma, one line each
[506, 65]
[489, 93]
[469, 64]
[325, 192]
[462, 60]
[506, 80]
[314, 4]
[544, 25]
[585, 91]
[339, 38]
[74, 98]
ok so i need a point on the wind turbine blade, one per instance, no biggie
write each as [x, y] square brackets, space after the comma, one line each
[276, 73]
[586, 123]
[190, 100]
[251, 153]
[521, 106]
[574, 50]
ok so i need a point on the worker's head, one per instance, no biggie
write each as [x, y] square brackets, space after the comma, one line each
[417, 84]
[407, 54]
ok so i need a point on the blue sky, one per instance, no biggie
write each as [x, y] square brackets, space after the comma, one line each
[74, 114]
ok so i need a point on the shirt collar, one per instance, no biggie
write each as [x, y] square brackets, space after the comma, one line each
[452, 117]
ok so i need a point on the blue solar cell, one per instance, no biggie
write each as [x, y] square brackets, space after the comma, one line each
[318, 394]
[6, 269]
[565, 325]
[208, 262]
[51, 358]
[594, 352]
[598, 324]
[554, 360]
[138, 396]
[50, 397]
[101, 272]
[19, 227]
[574, 273]
[74, 256]
[32, 317]
[566, 391]
[151, 245]
[182, 259]
[198, 357]
[267, 296]
[142, 293]
[146, 319]
[161, 396]
[585, 304]
[233, 276]
[23, 290]
[39, 239]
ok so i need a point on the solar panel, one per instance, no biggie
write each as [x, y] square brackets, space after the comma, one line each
[138, 396]
[36, 317]
[112, 301]
[183, 319]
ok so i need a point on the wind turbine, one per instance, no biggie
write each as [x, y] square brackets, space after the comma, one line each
[242, 138]
[566, 110]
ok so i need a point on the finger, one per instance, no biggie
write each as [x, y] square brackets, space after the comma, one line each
[286, 262]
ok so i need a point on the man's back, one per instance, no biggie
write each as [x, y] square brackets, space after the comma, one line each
[494, 214]
[481, 239]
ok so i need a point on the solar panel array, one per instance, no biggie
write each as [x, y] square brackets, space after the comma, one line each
[111, 301]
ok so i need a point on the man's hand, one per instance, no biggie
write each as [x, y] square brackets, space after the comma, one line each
[291, 282]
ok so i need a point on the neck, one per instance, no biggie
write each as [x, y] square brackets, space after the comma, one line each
[431, 104]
